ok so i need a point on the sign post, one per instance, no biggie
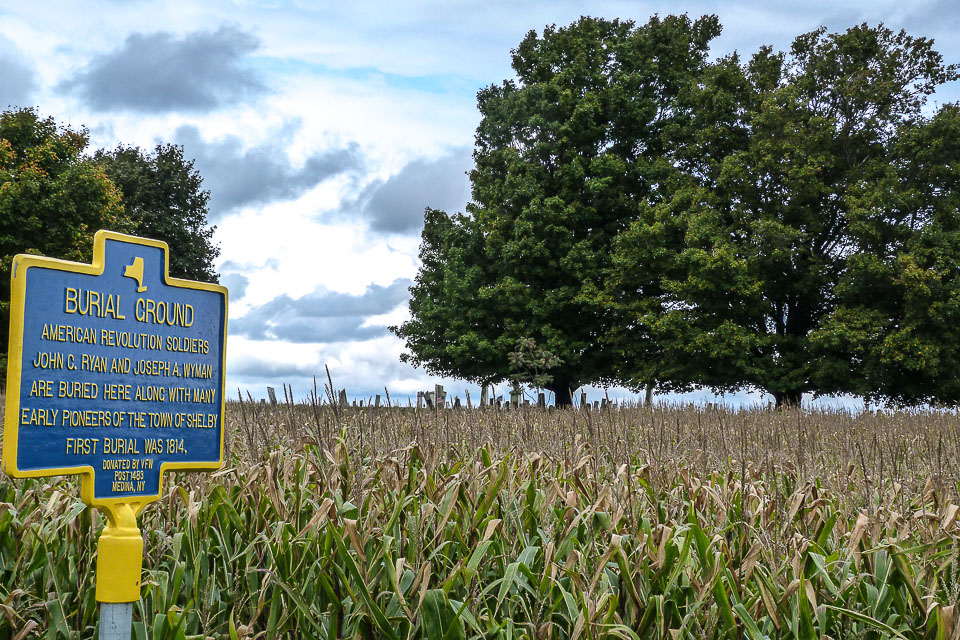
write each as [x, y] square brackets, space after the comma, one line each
[115, 372]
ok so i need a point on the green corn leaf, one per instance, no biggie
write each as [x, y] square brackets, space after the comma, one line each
[490, 495]
[868, 620]
[824, 536]
[440, 620]
[232, 628]
[507, 581]
[478, 555]
[723, 603]
[753, 631]
[351, 566]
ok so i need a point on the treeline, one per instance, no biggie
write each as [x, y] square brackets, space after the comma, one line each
[54, 195]
[642, 214]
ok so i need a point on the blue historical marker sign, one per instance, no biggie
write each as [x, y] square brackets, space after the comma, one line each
[115, 370]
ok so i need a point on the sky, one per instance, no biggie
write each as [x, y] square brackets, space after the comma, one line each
[323, 129]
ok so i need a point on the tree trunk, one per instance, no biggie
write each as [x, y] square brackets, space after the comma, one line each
[562, 393]
[788, 399]
[648, 396]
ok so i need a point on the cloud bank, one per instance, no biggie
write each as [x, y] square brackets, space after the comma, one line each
[159, 72]
[17, 83]
[238, 176]
[322, 316]
[396, 205]
[236, 283]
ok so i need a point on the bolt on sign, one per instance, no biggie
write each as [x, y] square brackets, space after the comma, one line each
[115, 373]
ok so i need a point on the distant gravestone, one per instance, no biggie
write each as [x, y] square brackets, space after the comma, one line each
[440, 396]
[272, 394]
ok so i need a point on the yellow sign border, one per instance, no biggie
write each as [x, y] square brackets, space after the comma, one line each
[21, 264]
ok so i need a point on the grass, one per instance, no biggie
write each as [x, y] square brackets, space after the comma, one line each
[669, 522]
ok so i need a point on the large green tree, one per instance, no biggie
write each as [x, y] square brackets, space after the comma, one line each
[164, 199]
[894, 333]
[451, 330]
[52, 199]
[810, 243]
[564, 153]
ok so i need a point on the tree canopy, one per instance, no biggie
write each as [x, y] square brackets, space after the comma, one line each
[52, 200]
[786, 222]
[810, 243]
[563, 154]
[54, 197]
[163, 197]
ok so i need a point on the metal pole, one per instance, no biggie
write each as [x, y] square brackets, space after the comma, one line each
[116, 620]
[119, 564]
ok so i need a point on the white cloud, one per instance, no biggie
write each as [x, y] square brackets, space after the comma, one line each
[341, 257]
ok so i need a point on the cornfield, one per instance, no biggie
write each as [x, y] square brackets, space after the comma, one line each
[664, 522]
